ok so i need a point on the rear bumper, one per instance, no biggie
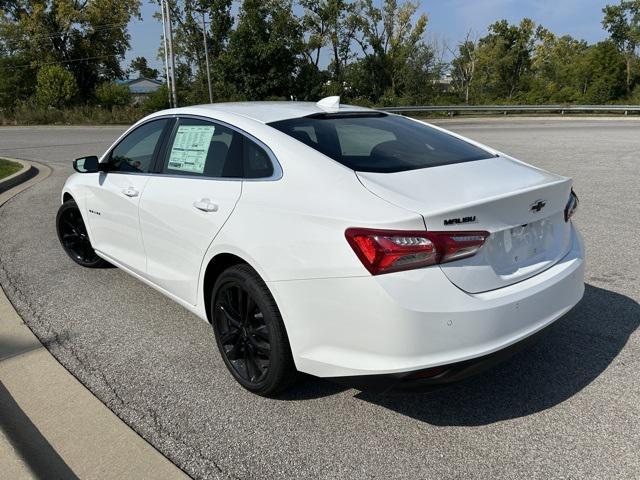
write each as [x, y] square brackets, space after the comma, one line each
[400, 323]
[432, 378]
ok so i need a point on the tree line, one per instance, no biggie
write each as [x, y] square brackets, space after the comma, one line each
[60, 53]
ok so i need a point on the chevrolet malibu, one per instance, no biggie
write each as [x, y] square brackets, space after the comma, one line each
[334, 240]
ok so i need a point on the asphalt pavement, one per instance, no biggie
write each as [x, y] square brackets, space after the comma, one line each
[568, 407]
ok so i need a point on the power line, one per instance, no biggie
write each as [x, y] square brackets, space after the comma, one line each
[89, 30]
[16, 67]
[106, 26]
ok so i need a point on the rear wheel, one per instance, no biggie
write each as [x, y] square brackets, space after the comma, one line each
[250, 333]
[74, 237]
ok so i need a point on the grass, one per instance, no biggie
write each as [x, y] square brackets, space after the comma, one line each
[8, 168]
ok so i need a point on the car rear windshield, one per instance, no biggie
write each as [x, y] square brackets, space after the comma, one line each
[377, 142]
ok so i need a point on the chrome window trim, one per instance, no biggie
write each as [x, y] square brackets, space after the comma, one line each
[277, 168]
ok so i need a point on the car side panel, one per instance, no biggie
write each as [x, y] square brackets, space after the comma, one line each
[176, 234]
[113, 217]
[293, 232]
[293, 228]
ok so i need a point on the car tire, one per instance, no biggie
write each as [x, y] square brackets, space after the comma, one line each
[74, 237]
[250, 333]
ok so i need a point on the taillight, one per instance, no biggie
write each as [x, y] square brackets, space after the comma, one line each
[384, 251]
[572, 206]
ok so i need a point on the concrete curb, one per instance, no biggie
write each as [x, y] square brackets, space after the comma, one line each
[50, 424]
[37, 173]
[25, 173]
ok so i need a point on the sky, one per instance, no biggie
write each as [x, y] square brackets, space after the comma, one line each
[449, 21]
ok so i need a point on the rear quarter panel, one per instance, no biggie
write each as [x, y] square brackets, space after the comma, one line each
[293, 228]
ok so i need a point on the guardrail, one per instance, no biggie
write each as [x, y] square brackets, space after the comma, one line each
[505, 109]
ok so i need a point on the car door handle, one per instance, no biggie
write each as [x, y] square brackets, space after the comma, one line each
[130, 192]
[206, 205]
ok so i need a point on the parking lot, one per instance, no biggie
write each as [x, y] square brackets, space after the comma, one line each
[569, 407]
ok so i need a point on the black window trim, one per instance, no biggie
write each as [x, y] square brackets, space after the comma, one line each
[159, 154]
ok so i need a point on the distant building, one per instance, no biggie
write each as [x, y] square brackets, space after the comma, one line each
[141, 87]
[444, 83]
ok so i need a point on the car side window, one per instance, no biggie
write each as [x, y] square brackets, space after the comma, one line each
[257, 163]
[135, 153]
[204, 149]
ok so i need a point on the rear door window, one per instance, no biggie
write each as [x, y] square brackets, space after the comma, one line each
[203, 148]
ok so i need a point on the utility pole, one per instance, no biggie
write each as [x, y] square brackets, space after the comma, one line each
[172, 59]
[206, 56]
[166, 53]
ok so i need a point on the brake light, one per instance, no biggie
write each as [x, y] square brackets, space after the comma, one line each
[385, 251]
[572, 206]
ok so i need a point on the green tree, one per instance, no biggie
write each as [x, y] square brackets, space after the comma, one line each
[556, 65]
[602, 73]
[17, 83]
[463, 66]
[188, 45]
[140, 65]
[88, 37]
[264, 51]
[332, 24]
[315, 21]
[158, 100]
[504, 59]
[111, 94]
[623, 24]
[395, 53]
[55, 87]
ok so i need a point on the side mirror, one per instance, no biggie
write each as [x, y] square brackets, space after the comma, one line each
[86, 164]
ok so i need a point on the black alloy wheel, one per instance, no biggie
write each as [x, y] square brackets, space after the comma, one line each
[250, 333]
[244, 333]
[74, 237]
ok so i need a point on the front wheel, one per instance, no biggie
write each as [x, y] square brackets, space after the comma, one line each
[74, 237]
[250, 333]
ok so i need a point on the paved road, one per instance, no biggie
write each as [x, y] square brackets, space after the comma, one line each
[568, 407]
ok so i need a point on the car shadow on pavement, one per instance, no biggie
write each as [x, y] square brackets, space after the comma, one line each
[309, 387]
[565, 360]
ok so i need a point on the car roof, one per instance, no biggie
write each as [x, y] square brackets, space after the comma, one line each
[266, 112]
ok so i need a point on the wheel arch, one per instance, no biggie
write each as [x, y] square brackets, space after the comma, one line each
[218, 264]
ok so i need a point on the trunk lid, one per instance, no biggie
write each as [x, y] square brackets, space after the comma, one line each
[521, 206]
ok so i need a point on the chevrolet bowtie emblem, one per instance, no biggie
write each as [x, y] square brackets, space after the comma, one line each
[537, 206]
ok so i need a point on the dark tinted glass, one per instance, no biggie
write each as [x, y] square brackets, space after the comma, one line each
[379, 142]
[135, 152]
[205, 149]
[257, 163]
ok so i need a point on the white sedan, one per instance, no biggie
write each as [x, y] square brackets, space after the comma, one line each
[334, 240]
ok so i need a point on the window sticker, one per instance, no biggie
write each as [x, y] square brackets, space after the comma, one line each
[190, 147]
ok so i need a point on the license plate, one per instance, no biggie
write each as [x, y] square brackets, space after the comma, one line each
[527, 241]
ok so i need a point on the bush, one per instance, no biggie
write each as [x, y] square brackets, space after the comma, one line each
[110, 94]
[30, 113]
[55, 86]
[158, 100]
